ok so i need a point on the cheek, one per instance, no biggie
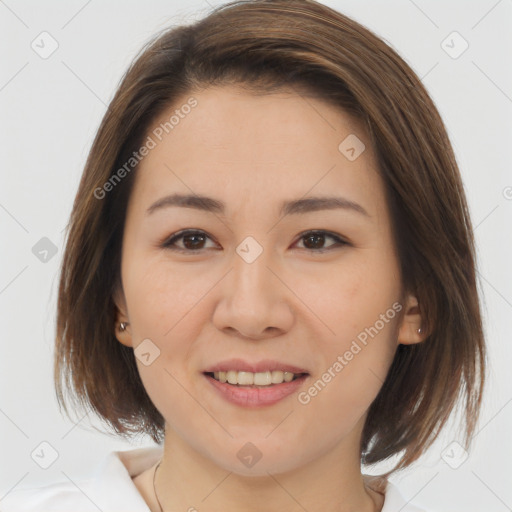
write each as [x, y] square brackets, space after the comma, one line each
[357, 292]
[362, 309]
[355, 365]
[162, 298]
[166, 308]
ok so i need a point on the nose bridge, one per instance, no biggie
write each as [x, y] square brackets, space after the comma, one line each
[253, 299]
[250, 272]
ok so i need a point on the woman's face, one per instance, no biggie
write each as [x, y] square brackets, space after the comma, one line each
[252, 283]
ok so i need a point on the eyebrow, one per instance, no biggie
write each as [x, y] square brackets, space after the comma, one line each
[293, 207]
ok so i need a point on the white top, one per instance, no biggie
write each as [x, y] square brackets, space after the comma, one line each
[111, 489]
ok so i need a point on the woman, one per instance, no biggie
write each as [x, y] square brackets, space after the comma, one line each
[269, 269]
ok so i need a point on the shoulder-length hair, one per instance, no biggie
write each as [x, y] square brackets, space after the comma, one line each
[263, 46]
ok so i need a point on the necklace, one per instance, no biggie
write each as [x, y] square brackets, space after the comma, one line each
[160, 505]
[154, 487]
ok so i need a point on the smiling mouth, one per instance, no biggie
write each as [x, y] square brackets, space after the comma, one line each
[254, 380]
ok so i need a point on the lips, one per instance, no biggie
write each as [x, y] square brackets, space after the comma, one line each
[255, 396]
[254, 367]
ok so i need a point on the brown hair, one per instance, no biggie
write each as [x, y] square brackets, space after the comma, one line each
[264, 45]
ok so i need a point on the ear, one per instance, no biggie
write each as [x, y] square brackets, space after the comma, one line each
[124, 337]
[410, 323]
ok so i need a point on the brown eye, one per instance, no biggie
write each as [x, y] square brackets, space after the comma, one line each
[314, 240]
[193, 240]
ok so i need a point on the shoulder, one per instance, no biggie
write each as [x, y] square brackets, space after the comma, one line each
[109, 489]
[394, 500]
[57, 497]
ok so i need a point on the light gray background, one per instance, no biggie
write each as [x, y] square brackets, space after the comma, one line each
[50, 110]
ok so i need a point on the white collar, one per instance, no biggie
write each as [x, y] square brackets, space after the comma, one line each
[136, 461]
[116, 472]
[111, 489]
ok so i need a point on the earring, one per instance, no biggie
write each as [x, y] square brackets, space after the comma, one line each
[122, 326]
[419, 330]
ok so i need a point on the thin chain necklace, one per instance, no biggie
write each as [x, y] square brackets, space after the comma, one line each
[154, 487]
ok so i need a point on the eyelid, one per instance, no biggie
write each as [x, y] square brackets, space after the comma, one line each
[340, 240]
[167, 242]
[325, 232]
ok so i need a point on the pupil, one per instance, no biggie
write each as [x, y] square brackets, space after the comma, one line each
[317, 237]
[189, 237]
[317, 243]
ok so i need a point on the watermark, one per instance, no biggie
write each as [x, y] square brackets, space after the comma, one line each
[151, 142]
[44, 455]
[351, 147]
[44, 45]
[454, 45]
[454, 455]
[44, 250]
[507, 193]
[249, 249]
[249, 454]
[146, 352]
[304, 397]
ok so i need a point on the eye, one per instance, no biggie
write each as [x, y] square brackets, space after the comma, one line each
[193, 241]
[316, 238]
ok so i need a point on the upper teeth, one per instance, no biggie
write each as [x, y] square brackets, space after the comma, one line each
[258, 379]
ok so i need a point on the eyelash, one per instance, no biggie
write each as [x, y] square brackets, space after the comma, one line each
[169, 243]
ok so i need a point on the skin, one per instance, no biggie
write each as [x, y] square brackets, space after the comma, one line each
[291, 304]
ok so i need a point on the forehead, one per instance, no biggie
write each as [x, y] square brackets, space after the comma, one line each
[236, 145]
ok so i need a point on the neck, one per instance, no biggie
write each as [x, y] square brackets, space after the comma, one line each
[188, 480]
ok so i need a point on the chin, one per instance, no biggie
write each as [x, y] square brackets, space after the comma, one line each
[254, 462]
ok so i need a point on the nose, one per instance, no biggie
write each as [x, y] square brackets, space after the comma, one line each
[254, 303]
